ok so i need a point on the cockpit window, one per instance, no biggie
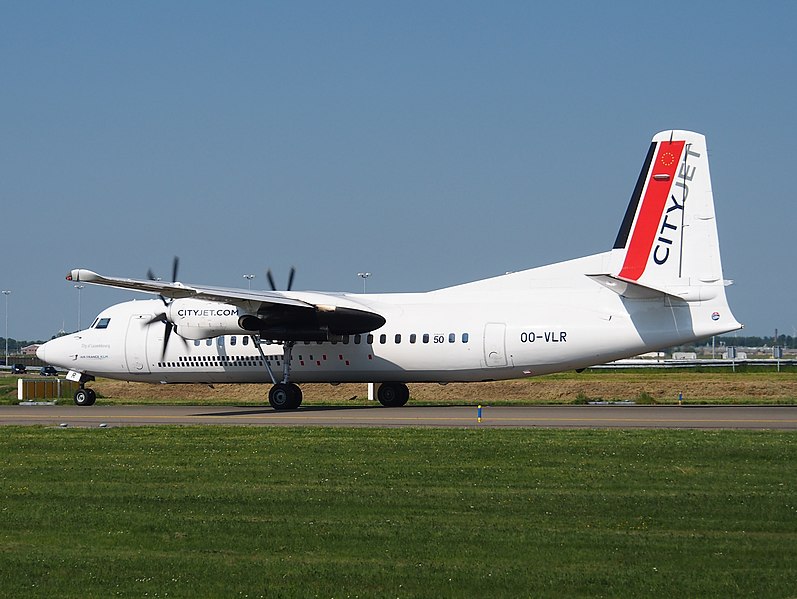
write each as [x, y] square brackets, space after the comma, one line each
[102, 323]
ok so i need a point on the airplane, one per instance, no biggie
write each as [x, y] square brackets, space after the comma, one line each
[660, 285]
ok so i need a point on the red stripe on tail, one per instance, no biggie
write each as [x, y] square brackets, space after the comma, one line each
[660, 180]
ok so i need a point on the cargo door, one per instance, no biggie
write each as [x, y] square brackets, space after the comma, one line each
[495, 344]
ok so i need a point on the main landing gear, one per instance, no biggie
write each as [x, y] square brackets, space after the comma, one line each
[283, 395]
[85, 397]
[393, 395]
[288, 396]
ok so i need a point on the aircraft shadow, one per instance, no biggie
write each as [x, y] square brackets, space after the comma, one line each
[244, 411]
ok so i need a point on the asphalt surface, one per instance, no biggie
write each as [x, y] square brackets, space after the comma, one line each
[604, 416]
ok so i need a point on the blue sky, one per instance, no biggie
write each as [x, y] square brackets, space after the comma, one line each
[430, 143]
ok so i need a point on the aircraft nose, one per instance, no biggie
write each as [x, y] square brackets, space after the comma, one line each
[41, 352]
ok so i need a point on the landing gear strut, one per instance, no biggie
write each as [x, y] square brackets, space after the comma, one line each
[284, 395]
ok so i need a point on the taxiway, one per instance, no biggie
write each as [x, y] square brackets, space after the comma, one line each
[610, 416]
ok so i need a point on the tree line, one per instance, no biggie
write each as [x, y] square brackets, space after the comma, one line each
[15, 345]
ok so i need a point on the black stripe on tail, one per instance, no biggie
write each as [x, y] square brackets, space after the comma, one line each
[625, 228]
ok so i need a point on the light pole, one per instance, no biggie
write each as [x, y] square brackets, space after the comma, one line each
[249, 280]
[6, 293]
[79, 289]
[364, 276]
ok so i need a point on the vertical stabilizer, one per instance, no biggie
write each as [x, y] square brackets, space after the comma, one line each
[668, 239]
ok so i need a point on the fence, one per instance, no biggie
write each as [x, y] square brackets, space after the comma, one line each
[28, 389]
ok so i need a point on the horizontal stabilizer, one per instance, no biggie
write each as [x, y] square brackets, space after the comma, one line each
[629, 289]
[638, 291]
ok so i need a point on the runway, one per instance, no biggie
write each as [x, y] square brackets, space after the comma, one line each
[605, 416]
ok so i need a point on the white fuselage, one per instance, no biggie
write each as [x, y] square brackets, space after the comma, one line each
[527, 323]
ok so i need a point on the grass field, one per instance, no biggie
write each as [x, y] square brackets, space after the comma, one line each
[254, 512]
[747, 385]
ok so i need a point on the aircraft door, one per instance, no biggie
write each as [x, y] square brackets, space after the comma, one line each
[495, 344]
[136, 343]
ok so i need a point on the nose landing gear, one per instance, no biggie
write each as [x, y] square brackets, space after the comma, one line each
[85, 397]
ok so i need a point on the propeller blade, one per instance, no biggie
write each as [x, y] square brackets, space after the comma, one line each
[271, 282]
[166, 334]
[162, 317]
[290, 278]
[151, 276]
[158, 318]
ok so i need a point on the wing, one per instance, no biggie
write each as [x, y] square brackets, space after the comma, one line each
[279, 314]
[180, 290]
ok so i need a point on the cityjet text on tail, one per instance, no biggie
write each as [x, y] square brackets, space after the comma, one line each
[660, 285]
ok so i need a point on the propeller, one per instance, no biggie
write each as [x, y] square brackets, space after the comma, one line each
[151, 276]
[271, 282]
[163, 317]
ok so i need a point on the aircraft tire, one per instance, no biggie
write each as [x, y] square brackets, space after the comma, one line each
[393, 395]
[297, 396]
[285, 396]
[85, 397]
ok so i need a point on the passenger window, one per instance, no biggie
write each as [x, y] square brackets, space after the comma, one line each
[426, 337]
[370, 339]
[398, 338]
[464, 337]
[382, 338]
[452, 337]
[209, 342]
[220, 341]
[345, 339]
[245, 340]
[413, 337]
[357, 339]
[196, 342]
[233, 340]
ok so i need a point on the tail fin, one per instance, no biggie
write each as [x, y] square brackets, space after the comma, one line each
[668, 239]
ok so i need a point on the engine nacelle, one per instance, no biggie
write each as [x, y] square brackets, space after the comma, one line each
[202, 319]
[199, 319]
